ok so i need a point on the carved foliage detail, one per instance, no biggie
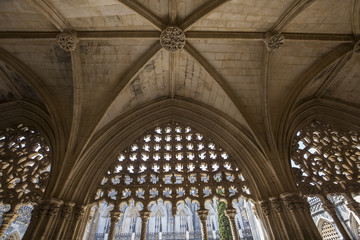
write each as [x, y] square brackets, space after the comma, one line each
[274, 42]
[67, 41]
[172, 39]
[357, 48]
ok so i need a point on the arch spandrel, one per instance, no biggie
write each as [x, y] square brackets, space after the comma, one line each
[173, 162]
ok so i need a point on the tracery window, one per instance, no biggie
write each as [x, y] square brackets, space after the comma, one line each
[24, 166]
[25, 163]
[326, 163]
[328, 231]
[173, 162]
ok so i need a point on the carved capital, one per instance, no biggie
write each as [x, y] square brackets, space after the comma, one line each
[172, 39]
[357, 48]
[67, 41]
[292, 201]
[145, 215]
[54, 206]
[276, 204]
[265, 207]
[67, 209]
[203, 214]
[231, 213]
[115, 216]
[79, 212]
[274, 41]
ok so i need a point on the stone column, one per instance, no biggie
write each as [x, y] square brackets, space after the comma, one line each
[230, 213]
[330, 208]
[79, 214]
[297, 217]
[114, 219]
[7, 219]
[203, 217]
[145, 215]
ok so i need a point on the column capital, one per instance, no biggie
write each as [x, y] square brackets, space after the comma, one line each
[231, 212]
[79, 211]
[145, 214]
[115, 216]
[276, 204]
[203, 213]
[67, 209]
[292, 200]
[265, 207]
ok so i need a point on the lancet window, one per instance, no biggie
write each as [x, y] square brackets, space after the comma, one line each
[326, 164]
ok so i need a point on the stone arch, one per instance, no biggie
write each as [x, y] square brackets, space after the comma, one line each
[123, 130]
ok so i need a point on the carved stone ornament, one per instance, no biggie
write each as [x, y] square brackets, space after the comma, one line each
[292, 200]
[357, 48]
[265, 207]
[203, 214]
[67, 209]
[67, 41]
[276, 204]
[79, 212]
[274, 41]
[172, 39]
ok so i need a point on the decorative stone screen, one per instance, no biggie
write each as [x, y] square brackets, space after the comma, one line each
[328, 159]
[328, 231]
[24, 165]
[173, 162]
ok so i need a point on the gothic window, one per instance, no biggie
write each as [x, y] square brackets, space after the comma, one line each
[326, 163]
[328, 231]
[24, 166]
[174, 162]
[326, 159]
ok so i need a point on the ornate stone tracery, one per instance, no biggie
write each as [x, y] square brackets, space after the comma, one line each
[25, 165]
[329, 158]
[173, 162]
[172, 39]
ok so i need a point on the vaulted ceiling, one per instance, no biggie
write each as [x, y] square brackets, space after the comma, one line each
[119, 65]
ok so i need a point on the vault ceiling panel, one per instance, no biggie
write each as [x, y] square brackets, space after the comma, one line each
[20, 84]
[87, 15]
[239, 64]
[20, 15]
[50, 63]
[151, 83]
[286, 67]
[194, 82]
[159, 7]
[243, 15]
[319, 17]
[5, 92]
[346, 85]
[103, 66]
[184, 8]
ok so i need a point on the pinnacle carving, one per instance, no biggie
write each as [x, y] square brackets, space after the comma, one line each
[67, 41]
[357, 48]
[172, 39]
[274, 42]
